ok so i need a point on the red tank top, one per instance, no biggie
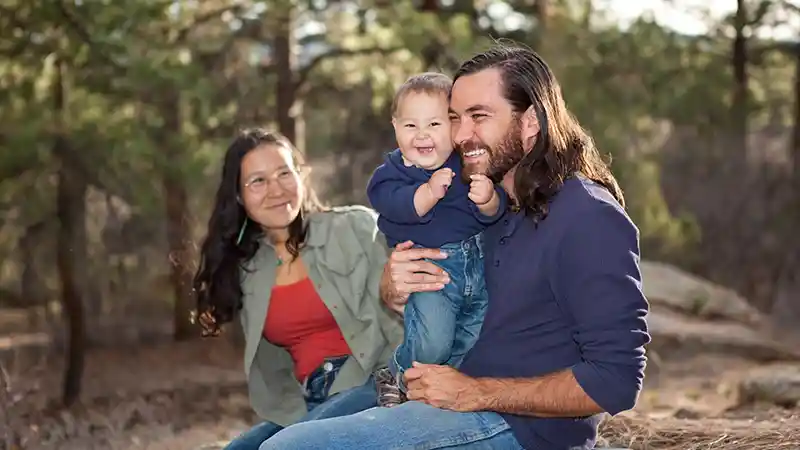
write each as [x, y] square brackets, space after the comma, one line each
[300, 322]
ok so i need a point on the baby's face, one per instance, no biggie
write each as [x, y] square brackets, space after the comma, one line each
[422, 130]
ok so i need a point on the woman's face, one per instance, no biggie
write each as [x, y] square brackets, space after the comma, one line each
[270, 186]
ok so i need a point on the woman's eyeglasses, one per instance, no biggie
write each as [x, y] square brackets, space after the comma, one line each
[285, 180]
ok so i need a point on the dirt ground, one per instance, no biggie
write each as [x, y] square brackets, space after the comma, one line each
[185, 395]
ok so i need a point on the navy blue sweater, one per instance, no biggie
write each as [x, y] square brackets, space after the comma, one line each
[454, 218]
[565, 294]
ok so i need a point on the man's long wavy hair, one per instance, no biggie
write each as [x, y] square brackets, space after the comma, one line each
[217, 284]
[562, 149]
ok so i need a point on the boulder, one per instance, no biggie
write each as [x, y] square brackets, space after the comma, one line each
[668, 287]
[676, 333]
[689, 314]
[777, 384]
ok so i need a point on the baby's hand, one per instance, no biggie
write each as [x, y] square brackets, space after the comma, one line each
[481, 189]
[440, 181]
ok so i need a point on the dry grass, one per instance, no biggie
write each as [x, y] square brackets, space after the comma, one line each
[182, 396]
[176, 418]
[683, 434]
[167, 397]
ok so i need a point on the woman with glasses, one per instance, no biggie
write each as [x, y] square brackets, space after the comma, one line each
[303, 280]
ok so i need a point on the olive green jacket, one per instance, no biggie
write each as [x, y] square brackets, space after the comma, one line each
[344, 255]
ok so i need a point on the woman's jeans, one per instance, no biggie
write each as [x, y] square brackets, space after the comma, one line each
[320, 404]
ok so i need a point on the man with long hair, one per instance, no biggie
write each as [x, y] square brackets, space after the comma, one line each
[564, 334]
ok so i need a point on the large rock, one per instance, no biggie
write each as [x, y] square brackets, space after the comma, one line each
[675, 333]
[778, 384]
[692, 315]
[672, 288]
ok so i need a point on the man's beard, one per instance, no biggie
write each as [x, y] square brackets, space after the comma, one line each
[503, 156]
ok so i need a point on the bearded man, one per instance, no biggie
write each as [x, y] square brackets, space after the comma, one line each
[564, 334]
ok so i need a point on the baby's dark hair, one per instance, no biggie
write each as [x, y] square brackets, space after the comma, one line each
[431, 83]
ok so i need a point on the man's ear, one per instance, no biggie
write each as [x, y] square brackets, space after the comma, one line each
[530, 127]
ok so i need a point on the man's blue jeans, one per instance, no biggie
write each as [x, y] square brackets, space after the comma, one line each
[440, 327]
[320, 404]
[411, 425]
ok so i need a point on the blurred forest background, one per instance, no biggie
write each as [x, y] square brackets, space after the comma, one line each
[114, 116]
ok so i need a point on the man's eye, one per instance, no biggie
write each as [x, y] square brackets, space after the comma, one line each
[478, 116]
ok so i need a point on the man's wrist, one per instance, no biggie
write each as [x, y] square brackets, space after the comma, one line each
[484, 390]
[388, 294]
[385, 289]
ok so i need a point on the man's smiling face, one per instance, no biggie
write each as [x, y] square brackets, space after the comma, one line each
[485, 129]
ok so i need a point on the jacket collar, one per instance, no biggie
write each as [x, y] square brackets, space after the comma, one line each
[318, 229]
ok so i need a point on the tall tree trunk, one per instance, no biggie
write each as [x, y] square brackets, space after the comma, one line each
[289, 107]
[731, 174]
[739, 107]
[786, 303]
[178, 217]
[541, 12]
[429, 6]
[31, 282]
[431, 54]
[796, 131]
[71, 247]
[588, 13]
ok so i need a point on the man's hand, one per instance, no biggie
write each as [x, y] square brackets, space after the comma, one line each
[443, 387]
[406, 272]
[481, 189]
[440, 181]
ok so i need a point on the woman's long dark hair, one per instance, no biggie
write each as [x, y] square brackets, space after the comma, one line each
[562, 149]
[217, 284]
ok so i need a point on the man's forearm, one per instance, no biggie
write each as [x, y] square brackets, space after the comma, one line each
[385, 291]
[384, 287]
[554, 395]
